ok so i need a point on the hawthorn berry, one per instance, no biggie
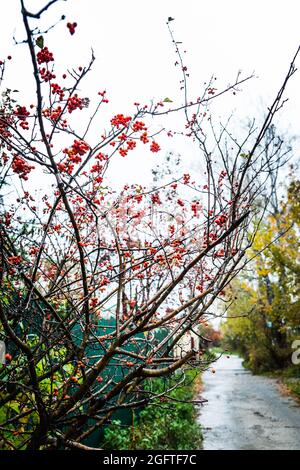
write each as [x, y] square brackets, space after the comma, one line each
[138, 126]
[123, 152]
[120, 120]
[154, 147]
[71, 27]
[14, 259]
[186, 178]
[221, 220]
[21, 167]
[144, 138]
[44, 56]
[74, 102]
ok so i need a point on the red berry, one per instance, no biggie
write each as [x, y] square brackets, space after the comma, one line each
[44, 56]
[71, 27]
[8, 357]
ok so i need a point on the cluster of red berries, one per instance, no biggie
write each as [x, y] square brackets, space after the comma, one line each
[75, 152]
[46, 75]
[220, 253]
[44, 56]
[186, 178]
[21, 112]
[213, 236]
[223, 174]
[138, 198]
[97, 168]
[138, 126]
[57, 90]
[155, 199]
[120, 120]
[154, 147]
[195, 206]
[75, 158]
[56, 114]
[123, 137]
[161, 259]
[144, 138]
[104, 99]
[33, 250]
[71, 27]
[15, 259]
[79, 147]
[131, 144]
[74, 102]
[101, 156]
[221, 220]
[56, 227]
[94, 302]
[123, 152]
[24, 125]
[65, 167]
[171, 229]
[211, 91]
[199, 287]
[123, 121]
[21, 167]
[104, 281]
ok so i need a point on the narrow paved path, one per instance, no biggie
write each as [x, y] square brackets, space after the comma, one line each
[245, 411]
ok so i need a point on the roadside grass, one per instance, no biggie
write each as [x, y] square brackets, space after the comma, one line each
[161, 425]
[293, 386]
[288, 379]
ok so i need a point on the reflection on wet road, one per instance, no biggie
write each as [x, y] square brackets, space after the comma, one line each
[246, 411]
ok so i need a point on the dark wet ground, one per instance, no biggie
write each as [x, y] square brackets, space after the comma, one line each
[245, 411]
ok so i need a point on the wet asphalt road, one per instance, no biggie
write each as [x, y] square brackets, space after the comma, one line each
[245, 411]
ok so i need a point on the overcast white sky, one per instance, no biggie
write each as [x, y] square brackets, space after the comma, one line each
[135, 57]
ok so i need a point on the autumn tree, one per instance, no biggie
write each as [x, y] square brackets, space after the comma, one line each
[263, 316]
